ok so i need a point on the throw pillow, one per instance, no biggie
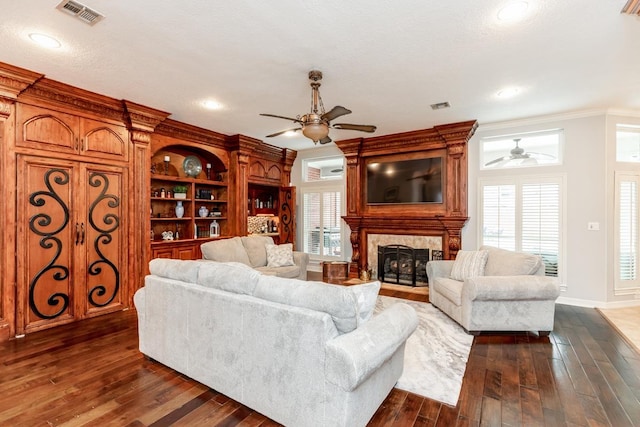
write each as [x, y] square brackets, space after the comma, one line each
[502, 262]
[469, 264]
[255, 246]
[279, 255]
[225, 250]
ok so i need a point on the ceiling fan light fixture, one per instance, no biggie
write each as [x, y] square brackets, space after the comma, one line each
[315, 131]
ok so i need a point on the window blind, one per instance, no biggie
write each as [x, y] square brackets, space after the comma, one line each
[628, 228]
[525, 215]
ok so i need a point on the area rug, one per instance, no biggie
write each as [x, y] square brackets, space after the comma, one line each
[435, 355]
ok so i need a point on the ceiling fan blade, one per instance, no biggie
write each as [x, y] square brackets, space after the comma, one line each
[325, 140]
[362, 128]
[498, 160]
[284, 131]
[282, 117]
[335, 112]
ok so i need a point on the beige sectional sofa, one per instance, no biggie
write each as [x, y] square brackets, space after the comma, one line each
[302, 353]
[252, 251]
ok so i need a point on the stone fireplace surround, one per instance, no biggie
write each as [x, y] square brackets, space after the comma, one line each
[439, 221]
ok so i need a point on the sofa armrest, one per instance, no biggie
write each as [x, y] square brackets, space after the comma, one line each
[440, 268]
[301, 259]
[528, 287]
[353, 357]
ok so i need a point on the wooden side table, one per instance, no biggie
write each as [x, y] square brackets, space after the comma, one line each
[335, 272]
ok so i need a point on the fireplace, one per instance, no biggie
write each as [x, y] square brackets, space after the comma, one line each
[440, 219]
[402, 265]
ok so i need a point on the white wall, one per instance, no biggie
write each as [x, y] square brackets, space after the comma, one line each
[585, 198]
[588, 164]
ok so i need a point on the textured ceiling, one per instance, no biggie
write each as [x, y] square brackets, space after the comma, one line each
[387, 61]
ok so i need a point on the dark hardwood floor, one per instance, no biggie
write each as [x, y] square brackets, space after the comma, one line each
[91, 373]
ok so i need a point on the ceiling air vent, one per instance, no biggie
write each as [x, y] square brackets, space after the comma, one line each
[440, 105]
[80, 11]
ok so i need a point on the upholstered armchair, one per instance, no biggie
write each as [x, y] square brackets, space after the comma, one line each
[494, 290]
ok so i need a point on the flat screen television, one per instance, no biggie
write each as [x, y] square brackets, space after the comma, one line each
[405, 181]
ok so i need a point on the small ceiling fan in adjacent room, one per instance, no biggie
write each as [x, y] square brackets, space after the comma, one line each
[315, 125]
[517, 156]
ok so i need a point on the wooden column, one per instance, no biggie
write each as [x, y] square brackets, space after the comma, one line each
[142, 122]
[13, 81]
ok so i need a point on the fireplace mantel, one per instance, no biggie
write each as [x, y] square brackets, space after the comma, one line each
[444, 219]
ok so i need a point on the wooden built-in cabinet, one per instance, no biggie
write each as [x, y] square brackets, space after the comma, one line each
[209, 189]
[71, 243]
[81, 201]
[263, 200]
[51, 130]
[265, 171]
[212, 195]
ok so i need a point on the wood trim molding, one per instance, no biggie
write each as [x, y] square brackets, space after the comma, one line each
[14, 80]
[142, 119]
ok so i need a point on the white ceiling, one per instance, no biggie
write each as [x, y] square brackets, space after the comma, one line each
[385, 60]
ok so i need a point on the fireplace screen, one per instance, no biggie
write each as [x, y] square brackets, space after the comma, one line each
[402, 265]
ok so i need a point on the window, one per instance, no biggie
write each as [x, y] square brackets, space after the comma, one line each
[321, 195]
[522, 150]
[322, 223]
[627, 230]
[627, 143]
[524, 214]
[317, 170]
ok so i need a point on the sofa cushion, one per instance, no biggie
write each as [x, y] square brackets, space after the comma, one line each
[290, 271]
[256, 251]
[348, 306]
[176, 269]
[225, 250]
[449, 288]
[228, 276]
[469, 264]
[279, 255]
[501, 262]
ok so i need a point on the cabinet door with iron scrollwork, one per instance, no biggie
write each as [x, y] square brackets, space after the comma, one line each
[72, 254]
[46, 241]
[103, 233]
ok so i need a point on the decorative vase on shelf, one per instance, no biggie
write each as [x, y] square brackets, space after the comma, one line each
[179, 209]
[203, 212]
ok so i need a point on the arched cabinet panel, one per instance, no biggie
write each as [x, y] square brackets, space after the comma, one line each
[47, 129]
[104, 140]
[44, 129]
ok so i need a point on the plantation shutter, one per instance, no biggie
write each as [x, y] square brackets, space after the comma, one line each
[541, 223]
[524, 214]
[499, 216]
[331, 223]
[322, 223]
[627, 194]
[311, 215]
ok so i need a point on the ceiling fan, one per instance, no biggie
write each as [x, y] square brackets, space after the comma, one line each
[517, 153]
[315, 124]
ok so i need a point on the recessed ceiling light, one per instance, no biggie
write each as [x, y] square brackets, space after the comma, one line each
[513, 11]
[212, 105]
[290, 133]
[508, 92]
[45, 40]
